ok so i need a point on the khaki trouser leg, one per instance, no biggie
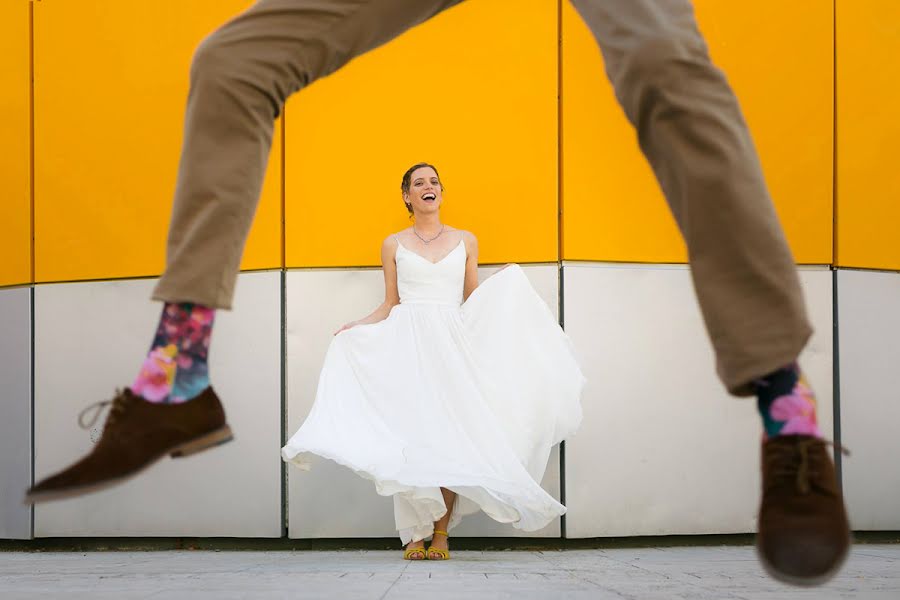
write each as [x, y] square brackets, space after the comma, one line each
[691, 130]
[241, 77]
[688, 122]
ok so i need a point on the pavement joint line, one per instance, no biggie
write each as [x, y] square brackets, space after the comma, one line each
[396, 580]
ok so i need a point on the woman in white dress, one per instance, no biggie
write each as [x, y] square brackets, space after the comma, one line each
[449, 398]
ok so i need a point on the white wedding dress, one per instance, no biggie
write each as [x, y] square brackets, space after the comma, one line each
[466, 396]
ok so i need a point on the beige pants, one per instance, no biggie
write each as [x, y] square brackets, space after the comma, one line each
[687, 119]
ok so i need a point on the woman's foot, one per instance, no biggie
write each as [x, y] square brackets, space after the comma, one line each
[440, 547]
[415, 551]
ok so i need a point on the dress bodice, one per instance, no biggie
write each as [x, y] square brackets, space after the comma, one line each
[421, 281]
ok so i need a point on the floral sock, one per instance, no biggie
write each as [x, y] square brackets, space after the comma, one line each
[175, 369]
[787, 403]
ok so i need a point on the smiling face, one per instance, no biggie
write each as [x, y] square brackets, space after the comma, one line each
[425, 191]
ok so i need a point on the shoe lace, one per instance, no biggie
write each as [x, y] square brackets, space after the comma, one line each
[786, 465]
[118, 404]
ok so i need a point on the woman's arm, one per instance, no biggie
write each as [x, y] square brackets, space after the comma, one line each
[471, 281]
[391, 293]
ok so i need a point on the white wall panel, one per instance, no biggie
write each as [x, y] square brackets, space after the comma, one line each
[869, 338]
[15, 412]
[330, 500]
[663, 449]
[91, 338]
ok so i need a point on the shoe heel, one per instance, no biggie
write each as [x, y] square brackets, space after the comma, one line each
[210, 440]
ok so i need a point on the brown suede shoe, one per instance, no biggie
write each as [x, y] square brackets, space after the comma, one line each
[804, 535]
[137, 434]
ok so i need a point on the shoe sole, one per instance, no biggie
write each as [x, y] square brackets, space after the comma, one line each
[206, 441]
[817, 580]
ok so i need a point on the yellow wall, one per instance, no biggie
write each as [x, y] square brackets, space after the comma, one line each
[15, 206]
[111, 84]
[472, 91]
[779, 59]
[868, 86]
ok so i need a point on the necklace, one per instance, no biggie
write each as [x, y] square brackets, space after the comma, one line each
[424, 241]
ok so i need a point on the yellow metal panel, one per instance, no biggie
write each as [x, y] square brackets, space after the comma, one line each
[473, 91]
[779, 59]
[110, 89]
[868, 87]
[15, 206]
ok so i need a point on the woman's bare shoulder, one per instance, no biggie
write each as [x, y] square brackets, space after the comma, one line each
[389, 244]
[392, 238]
[468, 236]
[403, 234]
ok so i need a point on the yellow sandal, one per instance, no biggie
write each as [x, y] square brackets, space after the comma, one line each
[408, 555]
[444, 554]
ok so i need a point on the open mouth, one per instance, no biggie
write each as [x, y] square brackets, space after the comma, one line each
[429, 197]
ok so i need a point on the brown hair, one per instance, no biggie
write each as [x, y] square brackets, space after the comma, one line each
[407, 180]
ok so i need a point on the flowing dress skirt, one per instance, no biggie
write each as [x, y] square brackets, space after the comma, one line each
[469, 398]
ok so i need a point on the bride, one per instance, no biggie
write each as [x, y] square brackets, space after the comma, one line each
[449, 396]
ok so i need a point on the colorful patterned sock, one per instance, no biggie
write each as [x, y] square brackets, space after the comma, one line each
[787, 403]
[175, 369]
